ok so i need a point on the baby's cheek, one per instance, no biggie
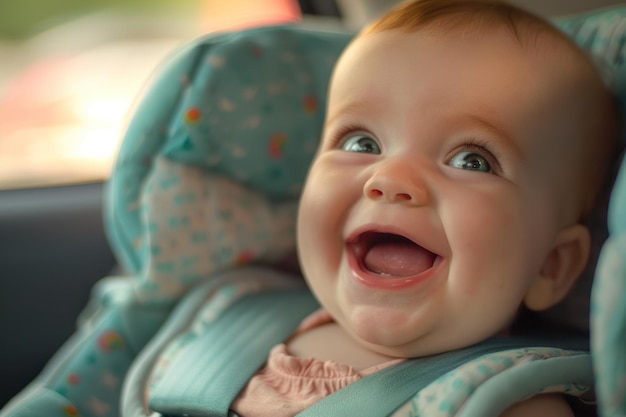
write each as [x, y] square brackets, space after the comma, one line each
[314, 225]
[485, 229]
[487, 242]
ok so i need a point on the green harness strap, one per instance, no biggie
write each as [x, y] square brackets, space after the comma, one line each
[208, 375]
[205, 379]
[381, 393]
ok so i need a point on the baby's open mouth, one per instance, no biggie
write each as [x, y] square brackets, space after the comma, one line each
[392, 255]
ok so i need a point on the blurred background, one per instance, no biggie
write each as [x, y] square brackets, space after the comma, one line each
[70, 71]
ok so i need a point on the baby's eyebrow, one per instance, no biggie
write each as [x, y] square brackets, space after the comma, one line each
[499, 133]
[353, 107]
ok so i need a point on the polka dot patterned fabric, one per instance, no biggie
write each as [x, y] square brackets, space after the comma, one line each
[214, 159]
[196, 223]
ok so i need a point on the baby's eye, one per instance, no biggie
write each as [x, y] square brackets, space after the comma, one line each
[360, 143]
[471, 161]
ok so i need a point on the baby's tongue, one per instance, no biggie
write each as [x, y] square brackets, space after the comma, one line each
[397, 256]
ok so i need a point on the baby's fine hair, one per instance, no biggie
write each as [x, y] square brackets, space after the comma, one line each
[415, 15]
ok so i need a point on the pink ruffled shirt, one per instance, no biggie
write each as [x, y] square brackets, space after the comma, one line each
[288, 384]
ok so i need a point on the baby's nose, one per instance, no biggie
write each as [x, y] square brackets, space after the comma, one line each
[396, 183]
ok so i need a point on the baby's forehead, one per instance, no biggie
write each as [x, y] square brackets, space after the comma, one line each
[552, 58]
[545, 49]
[539, 42]
[542, 64]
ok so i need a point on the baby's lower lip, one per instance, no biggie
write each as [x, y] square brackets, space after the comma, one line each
[386, 282]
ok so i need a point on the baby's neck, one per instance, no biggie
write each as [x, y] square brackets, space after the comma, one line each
[330, 342]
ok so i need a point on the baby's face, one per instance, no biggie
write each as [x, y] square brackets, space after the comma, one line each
[431, 206]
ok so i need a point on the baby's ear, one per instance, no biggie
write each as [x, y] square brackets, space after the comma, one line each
[563, 265]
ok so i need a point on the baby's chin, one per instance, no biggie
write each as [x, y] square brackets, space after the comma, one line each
[417, 349]
[428, 344]
[390, 332]
[395, 346]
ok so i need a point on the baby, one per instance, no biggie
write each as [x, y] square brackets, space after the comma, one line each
[464, 143]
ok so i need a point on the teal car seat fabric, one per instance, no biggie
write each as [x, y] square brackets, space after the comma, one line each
[604, 35]
[247, 105]
[207, 181]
